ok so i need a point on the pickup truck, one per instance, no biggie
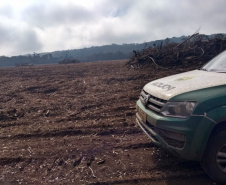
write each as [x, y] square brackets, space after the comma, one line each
[186, 115]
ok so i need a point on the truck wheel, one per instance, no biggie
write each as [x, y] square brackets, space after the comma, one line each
[214, 159]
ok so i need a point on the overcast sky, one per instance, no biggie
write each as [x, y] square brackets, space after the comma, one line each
[28, 26]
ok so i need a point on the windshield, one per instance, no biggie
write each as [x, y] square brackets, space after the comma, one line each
[217, 64]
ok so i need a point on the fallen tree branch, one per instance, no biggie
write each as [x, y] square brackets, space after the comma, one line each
[195, 34]
[156, 63]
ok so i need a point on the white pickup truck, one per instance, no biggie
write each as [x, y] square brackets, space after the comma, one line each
[186, 114]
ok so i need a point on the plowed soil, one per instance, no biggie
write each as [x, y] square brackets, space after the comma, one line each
[75, 124]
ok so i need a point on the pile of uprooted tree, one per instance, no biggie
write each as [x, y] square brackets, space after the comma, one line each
[195, 50]
[69, 61]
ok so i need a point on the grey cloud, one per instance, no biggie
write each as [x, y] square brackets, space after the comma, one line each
[48, 15]
[28, 42]
[6, 11]
[116, 8]
[166, 19]
[5, 35]
[184, 17]
[112, 21]
[108, 36]
[20, 40]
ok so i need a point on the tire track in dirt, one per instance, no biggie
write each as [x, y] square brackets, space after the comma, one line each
[76, 132]
[182, 179]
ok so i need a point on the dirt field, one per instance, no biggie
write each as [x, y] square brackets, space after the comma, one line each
[75, 124]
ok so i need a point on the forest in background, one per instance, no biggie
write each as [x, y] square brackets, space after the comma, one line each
[91, 54]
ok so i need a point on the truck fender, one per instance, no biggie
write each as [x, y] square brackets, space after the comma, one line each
[218, 114]
[210, 121]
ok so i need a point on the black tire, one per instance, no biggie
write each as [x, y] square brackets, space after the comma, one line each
[214, 159]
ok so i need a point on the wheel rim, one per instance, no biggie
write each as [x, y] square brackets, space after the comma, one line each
[221, 158]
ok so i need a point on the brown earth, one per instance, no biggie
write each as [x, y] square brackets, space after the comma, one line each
[75, 124]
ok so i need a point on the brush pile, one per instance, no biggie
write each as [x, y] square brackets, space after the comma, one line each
[195, 50]
[69, 61]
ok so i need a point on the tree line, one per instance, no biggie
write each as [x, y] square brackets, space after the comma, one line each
[94, 53]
